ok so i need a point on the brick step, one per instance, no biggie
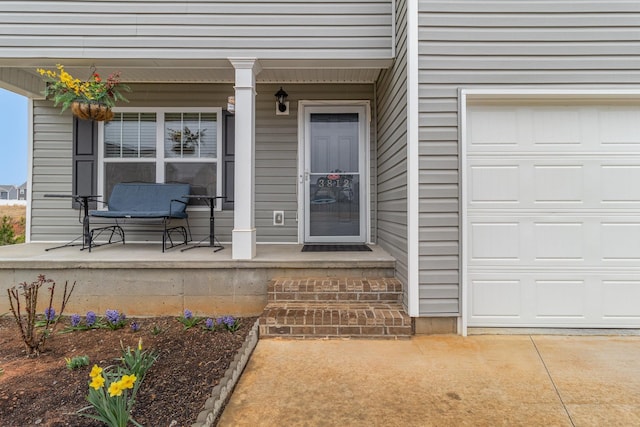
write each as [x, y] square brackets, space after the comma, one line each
[335, 320]
[386, 289]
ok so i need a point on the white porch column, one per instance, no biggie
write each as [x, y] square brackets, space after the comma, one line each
[244, 231]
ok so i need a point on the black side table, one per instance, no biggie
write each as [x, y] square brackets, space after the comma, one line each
[86, 234]
[213, 241]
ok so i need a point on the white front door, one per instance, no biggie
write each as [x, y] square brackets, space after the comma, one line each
[334, 174]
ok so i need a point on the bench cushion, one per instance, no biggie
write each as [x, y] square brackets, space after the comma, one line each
[143, 200]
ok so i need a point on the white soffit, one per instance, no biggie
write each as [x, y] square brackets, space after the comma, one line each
[194, 75]
[218, 71]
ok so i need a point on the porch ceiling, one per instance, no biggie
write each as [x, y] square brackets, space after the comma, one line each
[209, 71]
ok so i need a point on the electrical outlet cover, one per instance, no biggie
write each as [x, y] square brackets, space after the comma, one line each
[278, 217]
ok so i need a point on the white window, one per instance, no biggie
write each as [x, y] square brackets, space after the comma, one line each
[162, 145]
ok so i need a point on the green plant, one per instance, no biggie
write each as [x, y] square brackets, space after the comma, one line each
[115, 320]
[7, 235]
[110, 397]
[185, 137]
[112, 390]
[20, 238]
[138, 361]
[157, 330]
[65, 89]
[76, 324]
[229, 323]
[27, 322]
[209, 325]
[188, 320]
[77, 362]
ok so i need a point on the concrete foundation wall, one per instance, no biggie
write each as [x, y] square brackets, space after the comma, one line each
[435, 325]
[151, 291]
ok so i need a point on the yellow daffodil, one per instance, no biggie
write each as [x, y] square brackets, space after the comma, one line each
[97, 382]
[127, 381]
[115, 389]
[95, 371]
[140, 344]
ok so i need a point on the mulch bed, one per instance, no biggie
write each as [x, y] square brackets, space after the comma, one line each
[43, 391]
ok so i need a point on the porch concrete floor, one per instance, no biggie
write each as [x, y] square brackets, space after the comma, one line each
[440, 381]
[267, 255]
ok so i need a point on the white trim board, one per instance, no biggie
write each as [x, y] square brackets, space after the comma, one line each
[413, 162]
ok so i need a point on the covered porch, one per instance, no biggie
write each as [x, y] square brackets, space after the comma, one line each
[140, 280]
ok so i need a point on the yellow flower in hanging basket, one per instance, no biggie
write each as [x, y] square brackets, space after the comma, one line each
[91, 99]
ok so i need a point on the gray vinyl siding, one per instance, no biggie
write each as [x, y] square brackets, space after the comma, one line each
[276, 157]
[392, 152]
[149, 29]
[277, 154]
[18, 81]
[500, 44]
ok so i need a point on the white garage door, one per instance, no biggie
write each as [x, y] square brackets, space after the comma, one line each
[552, 215]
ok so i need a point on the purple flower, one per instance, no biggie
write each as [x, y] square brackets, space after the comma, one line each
[112, 316]
[49, 314]
[135, 327]
[122, 317]
[188, 314]
[75, 320]
[208, 323]
[228, 320]
[229, 323]
[91, 318]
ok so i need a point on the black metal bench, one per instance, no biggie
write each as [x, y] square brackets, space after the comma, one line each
[144, 201]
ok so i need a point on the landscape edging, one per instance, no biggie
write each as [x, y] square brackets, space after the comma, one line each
[220, 393]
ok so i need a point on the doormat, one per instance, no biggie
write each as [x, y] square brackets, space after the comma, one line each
[335, 248]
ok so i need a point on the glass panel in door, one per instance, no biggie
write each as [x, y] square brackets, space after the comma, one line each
[334, 177]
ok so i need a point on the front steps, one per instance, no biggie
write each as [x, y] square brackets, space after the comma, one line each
[335, 308]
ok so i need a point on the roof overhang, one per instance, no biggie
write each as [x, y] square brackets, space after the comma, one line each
[18, 74]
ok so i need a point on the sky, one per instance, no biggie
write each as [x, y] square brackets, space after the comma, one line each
[13, 138]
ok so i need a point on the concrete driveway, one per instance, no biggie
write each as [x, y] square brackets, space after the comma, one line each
[514, 380]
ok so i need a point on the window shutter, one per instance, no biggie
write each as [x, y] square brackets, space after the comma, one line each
[85, 159]
[228, 159]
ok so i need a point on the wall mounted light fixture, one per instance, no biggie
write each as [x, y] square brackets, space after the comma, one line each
[282, 105]
[231, 104]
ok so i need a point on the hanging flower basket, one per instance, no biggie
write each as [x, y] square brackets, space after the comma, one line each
[89, 100]
[91, 111]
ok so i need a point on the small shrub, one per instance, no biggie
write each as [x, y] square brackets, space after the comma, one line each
[28, 321]
[21, 237]
[7, 235]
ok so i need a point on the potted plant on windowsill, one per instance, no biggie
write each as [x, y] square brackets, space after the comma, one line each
[185, 140]
[91, 99]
